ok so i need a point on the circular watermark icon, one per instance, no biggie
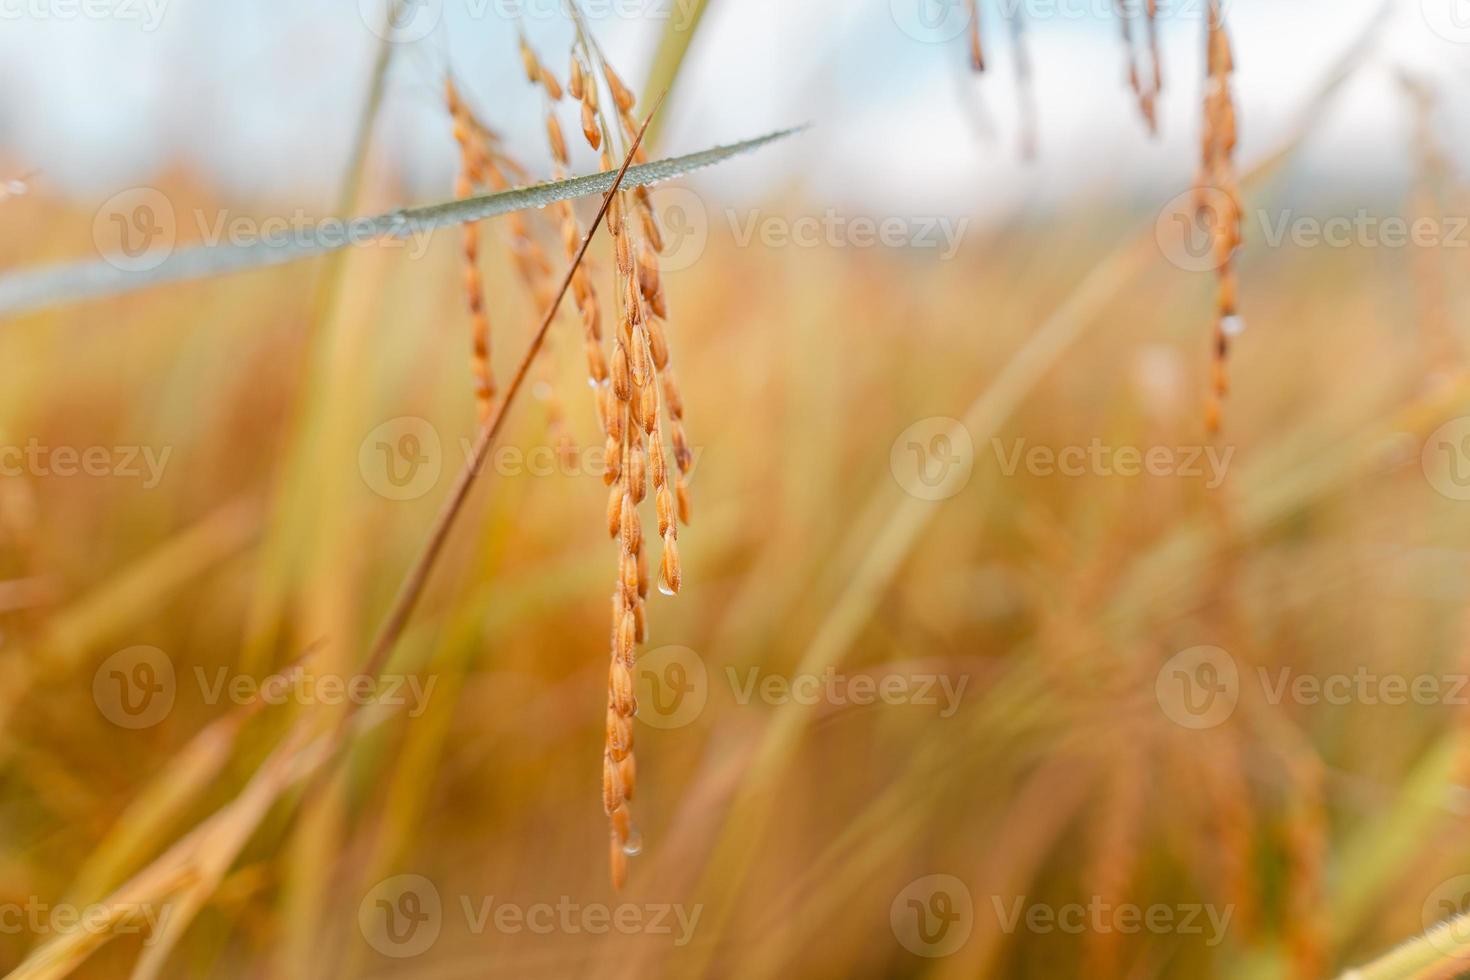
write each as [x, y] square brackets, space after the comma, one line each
[401, 916]
[671, 685]
[401, 21]
[1199, 687]
[933, 458]
[683, 222]
[1446, 459]
[933, 916]
[1443, 927]
[1448, 19]
[401, 459]
[135, 688]
[931, 21]
[1185, 228]
[134, 230]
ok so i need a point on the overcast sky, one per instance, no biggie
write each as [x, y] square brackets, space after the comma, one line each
[261, 96]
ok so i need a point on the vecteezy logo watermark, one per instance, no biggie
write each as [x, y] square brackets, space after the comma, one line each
[931, 21]
[1101, 917]
[679, 14]
[406, 21]
[119, 462]
[135, 688]
[1199, 687]
[832, 229]
[147, 14]
[941, 21]
[1098, 459]
[1362, 229]
[861, 690]
[513, 462]
[1446, 459]
[1185, 229]
[137, 229]
[1193, 10]
[1446, 925]
[401, 21]
[1449, 19]
[301, 685]
[403, 916]
[933, 458]
[933, 916]
[1186, 225]
[671, 686]
[401, 459]
[36, 917]
[685, 227]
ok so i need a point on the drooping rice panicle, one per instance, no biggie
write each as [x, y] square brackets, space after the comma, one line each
[1217, 203]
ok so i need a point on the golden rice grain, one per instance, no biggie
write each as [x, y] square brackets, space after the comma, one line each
[670, 564]
[622, 95]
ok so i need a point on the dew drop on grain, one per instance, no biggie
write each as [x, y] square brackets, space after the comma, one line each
[633, 846]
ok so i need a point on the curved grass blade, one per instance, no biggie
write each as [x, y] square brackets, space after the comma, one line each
[32, 289]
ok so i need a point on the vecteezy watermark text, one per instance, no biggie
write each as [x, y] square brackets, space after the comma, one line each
[832, 229]
[36, 917]
[1098, 916]
[1200, 687]
[137, 687]
[1099, 459]
[136, 230]
[148, 14]
[407, 21]
[403, 916]
[861, 690]
[122, 462]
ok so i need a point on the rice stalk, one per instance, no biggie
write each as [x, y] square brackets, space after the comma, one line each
[636, 394]
[1115, 851]
[470, 174]
[977, 52]
[1145, 80]
[1217, 203]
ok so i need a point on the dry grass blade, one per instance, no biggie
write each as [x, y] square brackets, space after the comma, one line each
[31, 289]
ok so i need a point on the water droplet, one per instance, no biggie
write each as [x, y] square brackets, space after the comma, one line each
[664, 588]
[1232, 326]
[633, 846]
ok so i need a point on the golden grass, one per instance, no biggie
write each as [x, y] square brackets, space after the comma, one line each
[791, 827]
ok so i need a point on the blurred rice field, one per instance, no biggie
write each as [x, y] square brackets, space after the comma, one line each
[857, 689]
